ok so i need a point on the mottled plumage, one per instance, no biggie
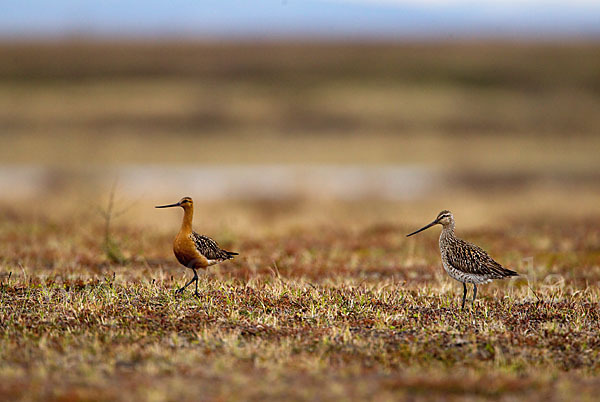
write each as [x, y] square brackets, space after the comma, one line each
[464, 261]
[210, 249]
[194, 250]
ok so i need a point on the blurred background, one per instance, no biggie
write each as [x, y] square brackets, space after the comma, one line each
[302, 110]
[313, 135]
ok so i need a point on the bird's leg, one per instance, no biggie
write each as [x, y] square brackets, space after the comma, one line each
[474, 294]
[195, 278]
[464, 295]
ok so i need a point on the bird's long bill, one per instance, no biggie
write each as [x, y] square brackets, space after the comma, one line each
[423, 228]
[169, 206]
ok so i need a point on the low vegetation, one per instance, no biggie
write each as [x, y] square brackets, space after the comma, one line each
[328, 299]
[306, 312]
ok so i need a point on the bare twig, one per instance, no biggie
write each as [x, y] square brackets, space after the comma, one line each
[110, 247]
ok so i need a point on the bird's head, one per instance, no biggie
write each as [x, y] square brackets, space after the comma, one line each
[185, 203]
[444, 218]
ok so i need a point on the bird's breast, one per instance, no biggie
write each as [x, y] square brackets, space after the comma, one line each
[187, 254]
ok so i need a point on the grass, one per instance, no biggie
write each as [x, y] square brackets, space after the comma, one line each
[308, 311]
[328, 300]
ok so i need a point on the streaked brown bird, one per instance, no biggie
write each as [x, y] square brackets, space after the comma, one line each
[464, 261]
[194, 250]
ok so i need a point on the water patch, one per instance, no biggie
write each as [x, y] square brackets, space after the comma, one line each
[224, 182]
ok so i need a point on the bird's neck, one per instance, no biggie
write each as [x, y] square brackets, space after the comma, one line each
[186, 225]
[448, 230]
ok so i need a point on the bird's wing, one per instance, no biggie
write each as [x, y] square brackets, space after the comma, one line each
[210, 249]
[469, 258]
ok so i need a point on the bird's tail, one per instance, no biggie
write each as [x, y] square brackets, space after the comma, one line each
[231, 254]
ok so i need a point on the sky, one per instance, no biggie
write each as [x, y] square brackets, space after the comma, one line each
[299, 18]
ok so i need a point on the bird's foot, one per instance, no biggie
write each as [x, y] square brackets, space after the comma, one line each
[179, 291]
[197, 294]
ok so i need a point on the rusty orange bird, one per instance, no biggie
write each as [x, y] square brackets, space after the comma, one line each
[194, 250]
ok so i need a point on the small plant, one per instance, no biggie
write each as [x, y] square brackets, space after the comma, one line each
[110, 246]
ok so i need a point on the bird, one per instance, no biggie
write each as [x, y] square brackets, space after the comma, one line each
[193, 250]
[464, 261]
